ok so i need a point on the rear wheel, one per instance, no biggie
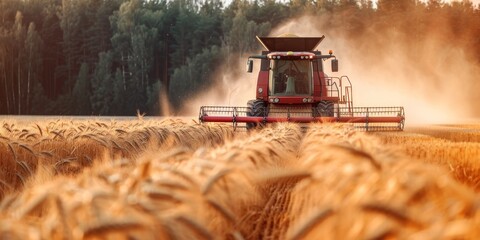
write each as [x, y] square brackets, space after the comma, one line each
[325, 109]
[256, 108]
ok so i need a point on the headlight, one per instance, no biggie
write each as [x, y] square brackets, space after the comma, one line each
[260, 90]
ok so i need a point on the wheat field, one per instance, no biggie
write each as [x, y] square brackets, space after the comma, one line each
[177, 179]
[454, 147]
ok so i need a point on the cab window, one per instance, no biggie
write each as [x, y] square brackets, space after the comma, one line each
[290, 77]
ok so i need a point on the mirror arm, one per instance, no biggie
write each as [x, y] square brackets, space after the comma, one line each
[250, 61]
[324, 57]
[258, 57]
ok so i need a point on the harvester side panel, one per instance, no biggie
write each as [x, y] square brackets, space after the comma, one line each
[262, 83]
[318, 83]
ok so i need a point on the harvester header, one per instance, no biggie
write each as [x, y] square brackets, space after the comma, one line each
[292, 86]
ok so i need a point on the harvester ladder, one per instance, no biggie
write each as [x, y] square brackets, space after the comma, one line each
[346, 97]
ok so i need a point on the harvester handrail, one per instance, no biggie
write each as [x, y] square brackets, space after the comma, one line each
[348, 91]
[333, 88]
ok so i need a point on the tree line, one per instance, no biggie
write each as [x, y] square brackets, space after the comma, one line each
[114, 57]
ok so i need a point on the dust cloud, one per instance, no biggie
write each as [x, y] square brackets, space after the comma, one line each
[233, 86]
[436, 83]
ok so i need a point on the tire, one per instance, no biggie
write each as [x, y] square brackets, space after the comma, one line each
[256, 108]
[325, 109]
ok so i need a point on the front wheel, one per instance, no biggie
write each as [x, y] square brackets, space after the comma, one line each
[256, 108]
[325, 109]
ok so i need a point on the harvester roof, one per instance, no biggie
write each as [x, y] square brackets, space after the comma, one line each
[290, 43]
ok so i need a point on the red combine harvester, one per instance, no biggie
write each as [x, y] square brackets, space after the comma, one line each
[293, 87]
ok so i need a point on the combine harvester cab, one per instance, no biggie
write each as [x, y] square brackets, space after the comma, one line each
[293, 87]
